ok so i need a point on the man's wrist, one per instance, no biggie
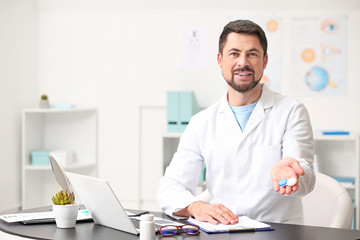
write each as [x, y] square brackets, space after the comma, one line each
[187, 211]
[191, 209]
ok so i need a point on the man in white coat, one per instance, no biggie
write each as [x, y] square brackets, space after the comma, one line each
[249, 140]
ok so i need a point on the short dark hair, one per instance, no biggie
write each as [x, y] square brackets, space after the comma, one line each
[243, 26]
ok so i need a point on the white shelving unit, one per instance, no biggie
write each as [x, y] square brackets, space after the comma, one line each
[56, 129]
[170, 144]
[339, 156]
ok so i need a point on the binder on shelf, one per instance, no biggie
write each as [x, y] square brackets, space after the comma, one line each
[350, 180]
[39, 157]
[181, 106]
[203, 175]
[337, 132]
[346, 182]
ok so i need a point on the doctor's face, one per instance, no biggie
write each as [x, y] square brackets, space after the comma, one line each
[242, 61]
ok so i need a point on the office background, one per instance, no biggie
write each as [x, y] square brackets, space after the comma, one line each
[122, 57]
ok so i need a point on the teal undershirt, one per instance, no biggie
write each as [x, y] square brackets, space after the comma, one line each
[242, 114]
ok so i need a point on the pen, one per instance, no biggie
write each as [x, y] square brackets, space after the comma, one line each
[139, 214]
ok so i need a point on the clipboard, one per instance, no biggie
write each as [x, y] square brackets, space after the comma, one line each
[245, 224]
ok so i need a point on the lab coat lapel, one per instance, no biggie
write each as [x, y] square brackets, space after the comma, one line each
[228, 121]
[258, 115]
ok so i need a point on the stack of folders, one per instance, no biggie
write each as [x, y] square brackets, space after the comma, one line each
[245, 224]
[181, 106]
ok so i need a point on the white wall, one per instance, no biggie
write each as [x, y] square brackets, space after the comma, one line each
[18, 89]
[122, 57]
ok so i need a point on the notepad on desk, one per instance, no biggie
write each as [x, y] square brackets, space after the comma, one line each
[41, 217]
[245, 224]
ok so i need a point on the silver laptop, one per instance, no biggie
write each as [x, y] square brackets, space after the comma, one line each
[104, 206]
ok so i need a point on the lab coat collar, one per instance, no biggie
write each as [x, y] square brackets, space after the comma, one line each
[258, 115]
[266, 100]
[267, 97]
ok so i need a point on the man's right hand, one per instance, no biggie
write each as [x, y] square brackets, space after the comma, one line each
[212, 213]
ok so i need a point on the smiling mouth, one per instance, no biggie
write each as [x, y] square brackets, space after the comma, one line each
[243, 73]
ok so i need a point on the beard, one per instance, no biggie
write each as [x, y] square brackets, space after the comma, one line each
[243, 88]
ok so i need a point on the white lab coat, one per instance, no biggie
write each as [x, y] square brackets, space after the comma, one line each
[239, 163]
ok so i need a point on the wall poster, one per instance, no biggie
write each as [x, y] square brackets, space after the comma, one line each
[319, 56]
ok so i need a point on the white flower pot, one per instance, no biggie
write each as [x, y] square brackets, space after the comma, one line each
[44, 103]
[65, 215]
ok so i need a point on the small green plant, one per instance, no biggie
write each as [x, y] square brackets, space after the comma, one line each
[44, 97]
[63, 198]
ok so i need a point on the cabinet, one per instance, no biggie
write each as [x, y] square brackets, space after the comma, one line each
[170, 144]
[56, 129]
[338, 156]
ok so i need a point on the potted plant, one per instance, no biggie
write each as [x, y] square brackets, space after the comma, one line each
[65, 209]
[44, 101]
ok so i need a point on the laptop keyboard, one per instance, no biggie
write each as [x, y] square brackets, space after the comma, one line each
[136, 222]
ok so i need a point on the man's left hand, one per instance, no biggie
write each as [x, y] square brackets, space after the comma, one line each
[286, 168]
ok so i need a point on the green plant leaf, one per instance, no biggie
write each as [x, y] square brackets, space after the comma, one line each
[63, 198]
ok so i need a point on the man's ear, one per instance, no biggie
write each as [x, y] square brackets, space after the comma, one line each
[219, 59]
[266, 58]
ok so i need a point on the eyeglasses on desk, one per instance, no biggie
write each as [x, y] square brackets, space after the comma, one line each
[171, 230]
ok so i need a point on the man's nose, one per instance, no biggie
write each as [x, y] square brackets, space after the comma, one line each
[242, 61]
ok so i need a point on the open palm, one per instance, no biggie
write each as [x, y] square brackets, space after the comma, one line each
[286, 168]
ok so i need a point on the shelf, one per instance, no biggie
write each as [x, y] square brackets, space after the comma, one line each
[70, 167]
[339, 155]
[57, 110]
[348, 185]
[52, 129]
[317, 136]
[172, 134]
[352, 136]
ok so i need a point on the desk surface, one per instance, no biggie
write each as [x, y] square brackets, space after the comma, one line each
[89, 231]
